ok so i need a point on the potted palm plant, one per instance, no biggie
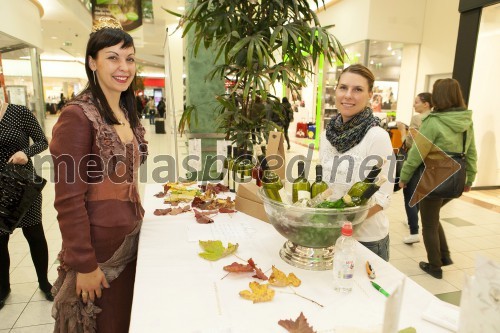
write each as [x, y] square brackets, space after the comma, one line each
[257, 43]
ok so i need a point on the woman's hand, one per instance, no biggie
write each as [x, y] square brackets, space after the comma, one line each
[18, 158]
[402, 185]
[90, 285]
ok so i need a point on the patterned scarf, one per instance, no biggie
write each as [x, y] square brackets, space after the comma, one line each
[344, 136]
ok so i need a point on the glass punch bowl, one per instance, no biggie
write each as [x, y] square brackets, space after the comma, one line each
[311, 233]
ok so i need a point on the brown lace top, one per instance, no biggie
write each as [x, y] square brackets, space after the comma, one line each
[95, 183]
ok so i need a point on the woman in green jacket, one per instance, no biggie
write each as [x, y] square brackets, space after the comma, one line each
[443, 128]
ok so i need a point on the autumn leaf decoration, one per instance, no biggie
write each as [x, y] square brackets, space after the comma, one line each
[279, 279]
[258, 292]
[300, 325]
[214, 250]
[242, 268]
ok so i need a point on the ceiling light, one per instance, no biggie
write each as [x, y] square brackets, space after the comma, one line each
[389, 48]
[53, 37]
[181, 8]
[399, 58]
[393, 53]
[372, 62]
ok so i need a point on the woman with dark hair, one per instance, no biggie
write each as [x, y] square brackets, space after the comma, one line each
[354, 137]
[423, 106]
[444, 128]
[97, 146]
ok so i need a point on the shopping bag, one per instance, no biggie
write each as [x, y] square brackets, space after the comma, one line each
[275, 153]
[19, 188]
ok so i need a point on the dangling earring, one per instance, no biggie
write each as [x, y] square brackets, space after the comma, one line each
[93, 72]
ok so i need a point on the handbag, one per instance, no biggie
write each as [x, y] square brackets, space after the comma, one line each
[401, 156]
[19, 188]
[453, 186]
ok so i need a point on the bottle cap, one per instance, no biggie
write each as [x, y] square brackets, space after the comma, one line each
[347, 229]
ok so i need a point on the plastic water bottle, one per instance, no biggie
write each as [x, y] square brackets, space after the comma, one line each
[344, 260]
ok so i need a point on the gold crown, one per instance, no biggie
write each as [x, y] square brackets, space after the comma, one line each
[106, 22]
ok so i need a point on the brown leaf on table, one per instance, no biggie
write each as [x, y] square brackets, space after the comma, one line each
[160, 194]
[197, 202]
[179, 210]
[258, 292]
[161, 212]
[216, 188]
[226, 210]
[259, 274]
[300, 325]
[238, 268]
[279, 279]
[202, 217]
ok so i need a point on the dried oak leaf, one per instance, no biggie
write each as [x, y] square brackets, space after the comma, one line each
[258, 292]
[161, 212]
[238, 268]
[160, 194]
[300, 325]
[279, 279]
[202, 217]
[259, 274]
[214, 250]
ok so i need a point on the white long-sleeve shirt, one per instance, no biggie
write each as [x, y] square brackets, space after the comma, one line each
[338, 169]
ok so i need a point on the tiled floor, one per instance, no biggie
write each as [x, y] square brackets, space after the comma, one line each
[27, 311]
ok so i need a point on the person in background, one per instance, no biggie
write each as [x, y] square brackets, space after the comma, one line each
[17, 126]
[355, 135]
[161, 108]
[62, 102]
[444, 128]
[97, 201]
[422, 106]
[287, 117]
[151, 110]
[139, 105]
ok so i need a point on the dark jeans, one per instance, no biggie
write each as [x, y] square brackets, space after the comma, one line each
[411, 212]
[151, 118]
[380, 247]
[285, 131]
[432, 231]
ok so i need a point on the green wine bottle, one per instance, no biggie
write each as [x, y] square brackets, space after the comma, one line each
[356, 197]
[271, 183]
[374, 172]
[301, 188]
[319, 185]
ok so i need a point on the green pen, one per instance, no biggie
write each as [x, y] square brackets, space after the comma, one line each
[379, 288]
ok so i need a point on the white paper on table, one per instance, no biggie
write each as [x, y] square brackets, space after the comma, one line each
[393, 309]
[194, 149]
[225, 231]
[480, 301]
[442, 314]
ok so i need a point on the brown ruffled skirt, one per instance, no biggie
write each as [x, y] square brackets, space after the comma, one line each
[72, 315]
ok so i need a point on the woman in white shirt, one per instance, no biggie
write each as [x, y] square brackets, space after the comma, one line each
[354, 142]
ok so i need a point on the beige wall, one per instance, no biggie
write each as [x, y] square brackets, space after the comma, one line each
[484, 101]
[21, 19]
[439, 40]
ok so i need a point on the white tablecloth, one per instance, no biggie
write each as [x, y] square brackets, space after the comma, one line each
[178, 291]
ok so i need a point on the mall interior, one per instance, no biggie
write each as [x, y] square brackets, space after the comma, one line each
[407, 44]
